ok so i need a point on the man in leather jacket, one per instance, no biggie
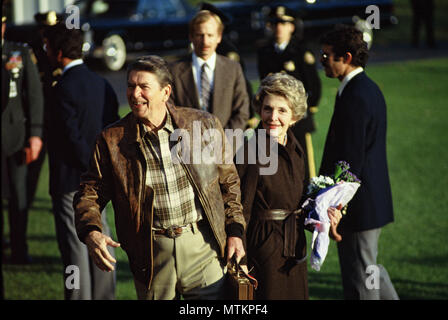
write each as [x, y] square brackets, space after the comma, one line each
[176, 219]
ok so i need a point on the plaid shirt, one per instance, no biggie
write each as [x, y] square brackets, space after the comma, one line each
[175, 203]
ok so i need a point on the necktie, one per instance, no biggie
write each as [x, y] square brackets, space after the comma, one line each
[205, 88]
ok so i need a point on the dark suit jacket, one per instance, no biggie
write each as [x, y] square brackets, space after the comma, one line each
[230, 101]
[85, 104]
[22, 115]
[357, 134]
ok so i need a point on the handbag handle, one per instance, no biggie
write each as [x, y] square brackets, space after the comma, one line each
[241, 272]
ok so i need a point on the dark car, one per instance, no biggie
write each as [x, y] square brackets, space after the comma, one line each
[114, 28]
[248, 18]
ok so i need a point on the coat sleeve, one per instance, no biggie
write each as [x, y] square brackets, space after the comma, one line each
[353, 122]
[34, 96]
[311, 81]
[240, 102]
[94, 192]
[230, 188]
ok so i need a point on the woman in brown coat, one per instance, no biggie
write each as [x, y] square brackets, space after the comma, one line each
[275, 237]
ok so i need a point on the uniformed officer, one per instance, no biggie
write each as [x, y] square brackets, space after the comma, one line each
[287, 52]
[22, 117]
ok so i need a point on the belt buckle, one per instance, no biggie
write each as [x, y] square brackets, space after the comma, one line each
[171, 232]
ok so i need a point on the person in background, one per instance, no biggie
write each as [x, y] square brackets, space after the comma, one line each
[22, 120]
[275, 236]
[84, 104]
[177, 221]
[49, 76]
[357, 135]
[228, 49]
[423, 14]
[286, 51]
[208, 81]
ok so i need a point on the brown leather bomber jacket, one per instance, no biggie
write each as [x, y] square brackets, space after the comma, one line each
[117, 173]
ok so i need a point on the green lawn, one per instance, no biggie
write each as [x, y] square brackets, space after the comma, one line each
[413, 248]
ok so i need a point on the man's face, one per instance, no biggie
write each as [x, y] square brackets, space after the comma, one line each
[146, 97]
[283, 31]
[335, 67]
[205, 38]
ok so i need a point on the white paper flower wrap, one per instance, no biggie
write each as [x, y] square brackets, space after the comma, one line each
[341, 193]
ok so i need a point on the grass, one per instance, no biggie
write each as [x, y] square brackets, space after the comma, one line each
[413, 248]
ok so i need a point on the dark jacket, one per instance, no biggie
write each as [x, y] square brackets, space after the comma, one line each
[85, 103]
[117, 173]
[357, 134]
[22, 115]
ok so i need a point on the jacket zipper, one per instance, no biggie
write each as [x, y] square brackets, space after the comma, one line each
[142, 208]
[201, 196]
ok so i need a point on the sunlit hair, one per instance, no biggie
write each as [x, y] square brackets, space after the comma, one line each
[345, 39]
[203, 16]
[154, 64]
[286, 86]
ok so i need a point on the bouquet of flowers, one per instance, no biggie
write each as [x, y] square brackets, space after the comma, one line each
[325, 192]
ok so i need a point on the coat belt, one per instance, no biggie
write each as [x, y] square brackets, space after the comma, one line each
[289, 227]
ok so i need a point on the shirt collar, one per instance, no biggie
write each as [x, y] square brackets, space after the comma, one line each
[211, 62]
[168, 126]
[72, 64]
[347, 78]
[281, 47]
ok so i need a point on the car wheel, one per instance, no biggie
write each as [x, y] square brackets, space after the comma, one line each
[114, 52]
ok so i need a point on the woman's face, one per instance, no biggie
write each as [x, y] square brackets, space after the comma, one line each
[276, 116]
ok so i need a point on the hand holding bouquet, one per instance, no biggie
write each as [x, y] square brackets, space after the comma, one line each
[325, 192]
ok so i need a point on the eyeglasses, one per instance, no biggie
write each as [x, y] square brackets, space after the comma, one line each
[326, 56]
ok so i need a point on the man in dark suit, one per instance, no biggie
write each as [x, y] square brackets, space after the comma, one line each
[357, 134]
[208, 81]
[22, 117]
[49, 76]
[85, 103]
[287, 52]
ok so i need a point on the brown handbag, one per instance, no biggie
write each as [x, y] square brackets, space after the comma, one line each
[239, 284]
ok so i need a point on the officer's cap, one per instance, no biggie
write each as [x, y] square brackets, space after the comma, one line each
[281, 14]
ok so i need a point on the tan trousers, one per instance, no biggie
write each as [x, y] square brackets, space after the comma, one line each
[187, 265]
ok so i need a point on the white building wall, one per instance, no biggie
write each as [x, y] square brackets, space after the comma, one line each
[24, 10]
